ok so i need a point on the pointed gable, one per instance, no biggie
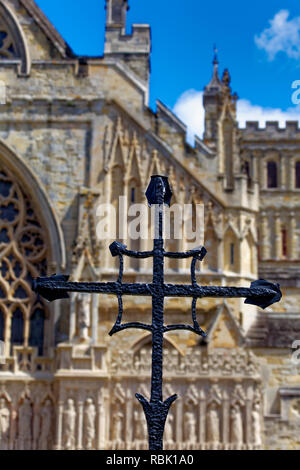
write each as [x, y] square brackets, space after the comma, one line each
[26, 35]
[224, 331]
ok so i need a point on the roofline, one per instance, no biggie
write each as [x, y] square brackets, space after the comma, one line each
[51, 32]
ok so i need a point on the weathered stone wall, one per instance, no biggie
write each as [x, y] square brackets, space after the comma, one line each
[77, 126]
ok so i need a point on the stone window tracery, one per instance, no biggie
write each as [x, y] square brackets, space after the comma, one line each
[7, 47]
[23, 256]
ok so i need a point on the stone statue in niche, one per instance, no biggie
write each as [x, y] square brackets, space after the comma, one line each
[295, 409]
[84, 310]
[236, 425]
[168, 435]
[70, 423]
[118, 427]
[256, 426]
[213, 424]
[25, 425]
[46, 420]
[190, 427]
[4, 424]
[89, 424]
[141, 431]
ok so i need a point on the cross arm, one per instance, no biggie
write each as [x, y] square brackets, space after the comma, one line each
[197, 254]
[57, 287]
[261, 293]
[117, 249]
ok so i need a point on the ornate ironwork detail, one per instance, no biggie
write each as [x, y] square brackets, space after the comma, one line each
[261, 293]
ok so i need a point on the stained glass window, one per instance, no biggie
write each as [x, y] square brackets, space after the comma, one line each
[23, 256]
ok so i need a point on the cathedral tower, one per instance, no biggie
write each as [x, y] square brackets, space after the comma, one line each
[116, 13]
[129, 50]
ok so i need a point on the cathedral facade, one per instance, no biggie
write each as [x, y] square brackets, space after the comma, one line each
[76, 132]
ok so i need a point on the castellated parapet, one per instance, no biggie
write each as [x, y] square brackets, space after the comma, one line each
[272, 129]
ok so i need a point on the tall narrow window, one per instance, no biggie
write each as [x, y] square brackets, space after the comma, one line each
[248, 172]
[284, 242]
[132, 195]
[272, 175]
[36, 338]
[232, 254]
[17, 328]
[297, 175]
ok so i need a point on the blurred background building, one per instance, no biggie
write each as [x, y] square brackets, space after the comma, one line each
[76, 132]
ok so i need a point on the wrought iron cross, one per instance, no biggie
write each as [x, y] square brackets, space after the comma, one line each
[261, 293]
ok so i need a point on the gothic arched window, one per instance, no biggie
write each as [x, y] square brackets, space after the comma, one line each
[23, 256]
[297, 175]
[272, 175]
[13, 46]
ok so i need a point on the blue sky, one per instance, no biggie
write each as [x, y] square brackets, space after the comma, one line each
[258, 41]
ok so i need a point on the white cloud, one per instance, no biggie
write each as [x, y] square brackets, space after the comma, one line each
[246, 111]
[189, 108]
[282, 36]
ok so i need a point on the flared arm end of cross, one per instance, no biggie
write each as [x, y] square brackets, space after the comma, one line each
[270, 294]
[159, 191]
[49, 287]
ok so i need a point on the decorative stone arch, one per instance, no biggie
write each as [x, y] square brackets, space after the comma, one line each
[31, 242]
[14, 47]
[41, 202]
[146, 339]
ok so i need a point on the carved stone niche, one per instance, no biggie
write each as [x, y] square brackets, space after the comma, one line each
[44, 439]
[117, 431]
[5, 414]
[25, 424]
[290, 404]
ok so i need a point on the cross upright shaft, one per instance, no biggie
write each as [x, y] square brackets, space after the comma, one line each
[158, 302]
[261, 293]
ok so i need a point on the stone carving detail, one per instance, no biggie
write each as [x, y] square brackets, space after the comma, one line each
[117, 434]
[84, 321]
[190, 427]
[23, 255]
[46, 425]
[168, 436]
[89, 424]
[236, 425]
[25, 425]
[141, 432]
[256, 425]
[4, 424]
[213, 424]
[234, 363]
[70, 424]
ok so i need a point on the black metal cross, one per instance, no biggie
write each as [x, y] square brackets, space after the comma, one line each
[261, 293]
